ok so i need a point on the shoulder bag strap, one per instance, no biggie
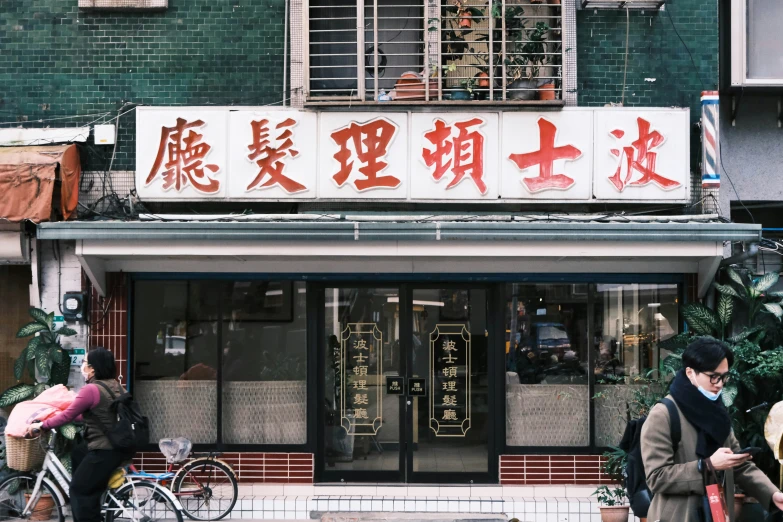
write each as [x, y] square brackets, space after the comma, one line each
[105, 387]
[674, 421]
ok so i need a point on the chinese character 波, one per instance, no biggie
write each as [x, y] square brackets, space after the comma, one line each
[639, 157]
[360, 344]
[545, 158]
[370, 142]
[270, 158]
[182, 157]
[458, 154]
[449, 346]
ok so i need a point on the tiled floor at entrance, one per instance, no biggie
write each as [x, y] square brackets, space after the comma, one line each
[527, 504]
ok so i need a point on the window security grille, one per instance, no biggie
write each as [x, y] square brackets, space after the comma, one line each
[424, 51]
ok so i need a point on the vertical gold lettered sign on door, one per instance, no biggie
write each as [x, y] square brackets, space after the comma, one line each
[361, 357]
[450, 380]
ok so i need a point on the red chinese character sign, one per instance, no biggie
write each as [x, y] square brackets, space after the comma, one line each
[273, 154]
[363, 156]
[182, 154]
[575, 154]
[456, 156]
[547, 156]
[641, 155]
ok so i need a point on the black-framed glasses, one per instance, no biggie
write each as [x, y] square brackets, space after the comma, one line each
[715, 378]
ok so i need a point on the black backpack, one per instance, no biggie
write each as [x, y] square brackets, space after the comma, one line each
[131, 431]
[639, 494]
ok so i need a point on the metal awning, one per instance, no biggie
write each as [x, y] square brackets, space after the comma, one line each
[352, 228]
[388, 244]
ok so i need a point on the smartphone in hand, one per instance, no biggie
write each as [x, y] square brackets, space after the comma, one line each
[750, 450]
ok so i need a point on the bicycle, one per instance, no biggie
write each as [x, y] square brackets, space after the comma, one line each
[23, 496]
[205, 485]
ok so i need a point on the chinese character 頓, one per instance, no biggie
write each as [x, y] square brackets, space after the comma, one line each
[459, 154]
[450, 371]
[360, 370]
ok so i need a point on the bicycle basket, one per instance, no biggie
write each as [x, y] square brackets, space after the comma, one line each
[24, 454]
[175, 450]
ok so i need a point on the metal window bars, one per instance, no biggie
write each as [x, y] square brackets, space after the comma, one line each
[425, 51]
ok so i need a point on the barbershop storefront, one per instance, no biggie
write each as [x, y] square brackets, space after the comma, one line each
[385, 343]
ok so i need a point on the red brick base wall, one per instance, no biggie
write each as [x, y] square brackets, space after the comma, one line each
[543, 470]
[278, 468]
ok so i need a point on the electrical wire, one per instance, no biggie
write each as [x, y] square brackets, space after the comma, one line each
[698, 73]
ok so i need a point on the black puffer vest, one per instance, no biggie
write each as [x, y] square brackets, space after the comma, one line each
[101, 418]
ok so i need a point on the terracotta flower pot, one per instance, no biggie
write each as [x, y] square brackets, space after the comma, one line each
[43, 509]
[615, 513]
[465, 20]
[483, 80]
[547, 92]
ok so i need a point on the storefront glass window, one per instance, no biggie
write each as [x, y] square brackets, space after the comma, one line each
[182, 329]
[630, 322]
[546, 353]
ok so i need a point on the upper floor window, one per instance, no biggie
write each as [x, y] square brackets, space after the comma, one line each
[756, 42]
[414, 51]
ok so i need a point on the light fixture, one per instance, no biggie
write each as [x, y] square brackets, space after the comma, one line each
[622, 4]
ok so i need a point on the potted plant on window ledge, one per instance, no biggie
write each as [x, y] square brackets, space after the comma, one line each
[613, 503]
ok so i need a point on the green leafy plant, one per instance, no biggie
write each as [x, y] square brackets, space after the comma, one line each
[747, 316]
[43, 357]
[611, 496]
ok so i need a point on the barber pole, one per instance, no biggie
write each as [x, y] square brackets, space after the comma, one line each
[710, 140]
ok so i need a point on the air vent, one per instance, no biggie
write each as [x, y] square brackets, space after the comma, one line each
[622, 4]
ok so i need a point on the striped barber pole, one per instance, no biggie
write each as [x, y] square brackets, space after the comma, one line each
[710, 142]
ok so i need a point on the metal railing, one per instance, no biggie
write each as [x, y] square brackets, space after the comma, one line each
[418, 51]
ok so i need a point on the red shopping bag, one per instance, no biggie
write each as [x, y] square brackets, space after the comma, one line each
[717, 499]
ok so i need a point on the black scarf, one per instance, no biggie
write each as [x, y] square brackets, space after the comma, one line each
[710, 418]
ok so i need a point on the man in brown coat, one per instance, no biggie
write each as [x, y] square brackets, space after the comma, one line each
[675, 477]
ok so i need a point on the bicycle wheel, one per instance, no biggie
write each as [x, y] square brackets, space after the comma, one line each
[15, 492]
[206, 488]
[140, 501]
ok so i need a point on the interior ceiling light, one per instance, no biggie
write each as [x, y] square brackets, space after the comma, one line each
[622, 4]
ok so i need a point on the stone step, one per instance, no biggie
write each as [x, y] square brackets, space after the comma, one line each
[411, 517]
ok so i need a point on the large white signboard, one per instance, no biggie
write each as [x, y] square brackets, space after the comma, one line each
[574, 154]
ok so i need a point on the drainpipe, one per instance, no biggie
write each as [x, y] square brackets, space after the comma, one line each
[733, 260]
[285, 53]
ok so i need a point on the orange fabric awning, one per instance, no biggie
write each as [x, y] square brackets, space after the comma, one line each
[28, 178]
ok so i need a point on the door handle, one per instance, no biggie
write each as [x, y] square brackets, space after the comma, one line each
[408, 403]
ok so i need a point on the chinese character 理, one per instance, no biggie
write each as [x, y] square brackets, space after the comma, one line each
[370, 142]
[450, 386]
[360, 385]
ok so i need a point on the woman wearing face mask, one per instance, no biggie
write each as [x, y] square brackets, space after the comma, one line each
[675, 477]
[95, 461]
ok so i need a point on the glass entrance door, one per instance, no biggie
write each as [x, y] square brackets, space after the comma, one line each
[404, 373]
